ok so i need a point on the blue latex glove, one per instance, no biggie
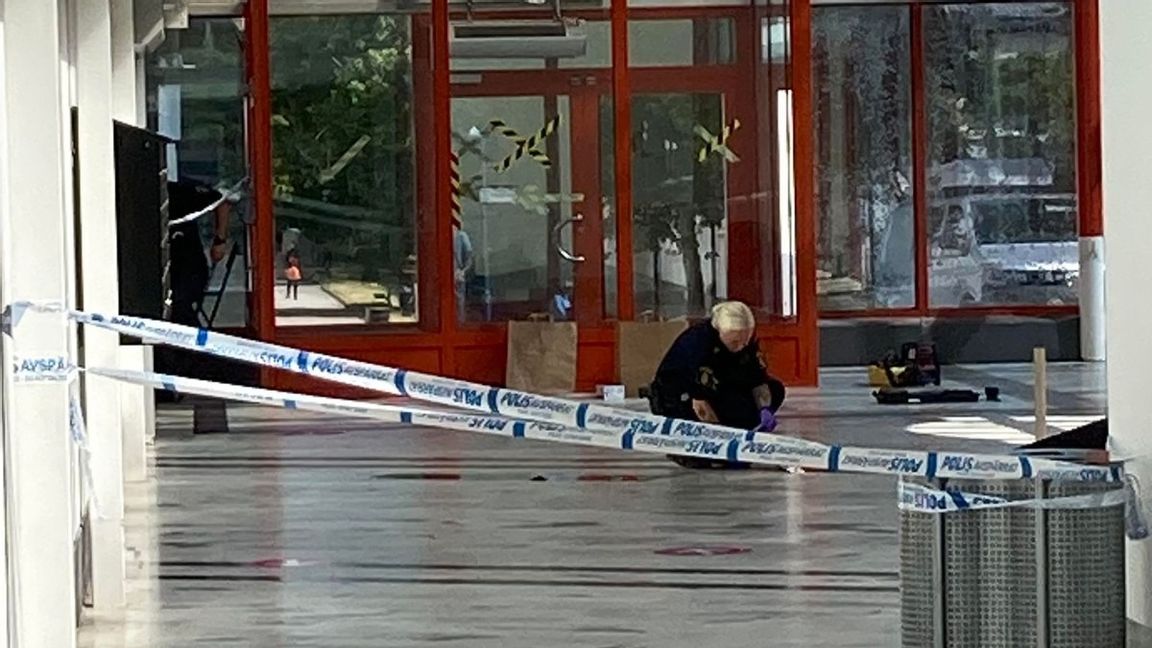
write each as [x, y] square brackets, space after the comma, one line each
[767, 421]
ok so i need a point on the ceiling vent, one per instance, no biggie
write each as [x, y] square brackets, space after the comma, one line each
[517, 39]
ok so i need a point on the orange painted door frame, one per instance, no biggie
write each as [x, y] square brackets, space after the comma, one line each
[439, 343]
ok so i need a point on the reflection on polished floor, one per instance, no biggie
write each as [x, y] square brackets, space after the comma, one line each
[302, 530]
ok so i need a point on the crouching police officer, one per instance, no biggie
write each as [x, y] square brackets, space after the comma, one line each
[713, 374]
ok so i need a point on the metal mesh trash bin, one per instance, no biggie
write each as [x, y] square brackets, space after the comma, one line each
[1012, 577]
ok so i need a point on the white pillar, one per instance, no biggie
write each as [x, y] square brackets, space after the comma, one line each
[98, 245]
[141, 97]
[1126, 93]
[124, 107]
[1093, 320]
[137, 411]
[32, 257]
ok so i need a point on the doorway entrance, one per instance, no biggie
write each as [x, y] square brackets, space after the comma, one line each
[530, 214]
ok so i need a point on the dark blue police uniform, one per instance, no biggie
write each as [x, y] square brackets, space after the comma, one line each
[188, 266]
[699, 367]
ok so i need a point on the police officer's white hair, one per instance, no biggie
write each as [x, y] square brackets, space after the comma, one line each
[732, 316]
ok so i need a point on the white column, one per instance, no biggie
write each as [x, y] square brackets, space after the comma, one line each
[141, 97]
[124, 107]
[7, 608]
[32, 232]
[98, 246]
[137, 411]
[1126, 94]
[1093, 320]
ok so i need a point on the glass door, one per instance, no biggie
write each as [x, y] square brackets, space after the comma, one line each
[528, 221]
[682, 150]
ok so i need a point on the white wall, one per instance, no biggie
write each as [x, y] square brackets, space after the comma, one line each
[1126, 93]
[98, 244]
[124, 98]
[33, 253]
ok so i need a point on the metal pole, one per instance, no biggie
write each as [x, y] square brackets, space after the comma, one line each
[1040, 390]
[1041, 537]
[939, 580]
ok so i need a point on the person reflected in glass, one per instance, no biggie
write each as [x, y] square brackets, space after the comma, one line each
[463, 260]
[713, 373]
[957, 235]
[293, 275]
[893, 257]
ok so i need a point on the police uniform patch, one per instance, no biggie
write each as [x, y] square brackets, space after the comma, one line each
[707, 378]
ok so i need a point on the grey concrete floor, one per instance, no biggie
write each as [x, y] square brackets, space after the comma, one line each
[302, 530]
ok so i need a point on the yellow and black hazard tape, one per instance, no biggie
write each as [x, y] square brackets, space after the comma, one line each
[717, 144]
[525, 145]
[532, 198]
[457, 191]
[461, 189]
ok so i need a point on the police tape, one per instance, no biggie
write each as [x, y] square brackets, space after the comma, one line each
[732, 450]
[39, 369]
[419, 386]
[79, 432]
[56, 369]
[230, 194]
[913, 497]
[631, 428]
[925, 499]
[829, 458]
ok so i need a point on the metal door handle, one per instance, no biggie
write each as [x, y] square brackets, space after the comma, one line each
[565, 254]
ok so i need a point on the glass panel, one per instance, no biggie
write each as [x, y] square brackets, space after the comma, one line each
[775, 45]
[343, 137]
[518, 202]
[681, 42]
[608, 204]
[774, 196]
[680, 237]
[536, 227]
[1002, 222]
[866, 246]
[195, 95]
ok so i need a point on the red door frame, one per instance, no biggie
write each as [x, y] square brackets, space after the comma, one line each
[437, 345]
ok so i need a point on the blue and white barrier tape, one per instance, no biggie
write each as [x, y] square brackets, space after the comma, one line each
[631, 428]
[50, 369]
[925, 499]
[226, 194]
[825, 458]
[425, 387]
[79, 431]
[735, 449]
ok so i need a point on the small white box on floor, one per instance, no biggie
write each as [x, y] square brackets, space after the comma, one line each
[613, 393]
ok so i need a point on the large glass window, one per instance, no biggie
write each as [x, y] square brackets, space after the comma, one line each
[343, 141]
[865, 222]
[1001, 162]
[682, 42]
[195, 96]
[679, 207]
[684, 139]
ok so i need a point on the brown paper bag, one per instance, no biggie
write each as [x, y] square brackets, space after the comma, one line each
[542, 357]
[640, 348]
